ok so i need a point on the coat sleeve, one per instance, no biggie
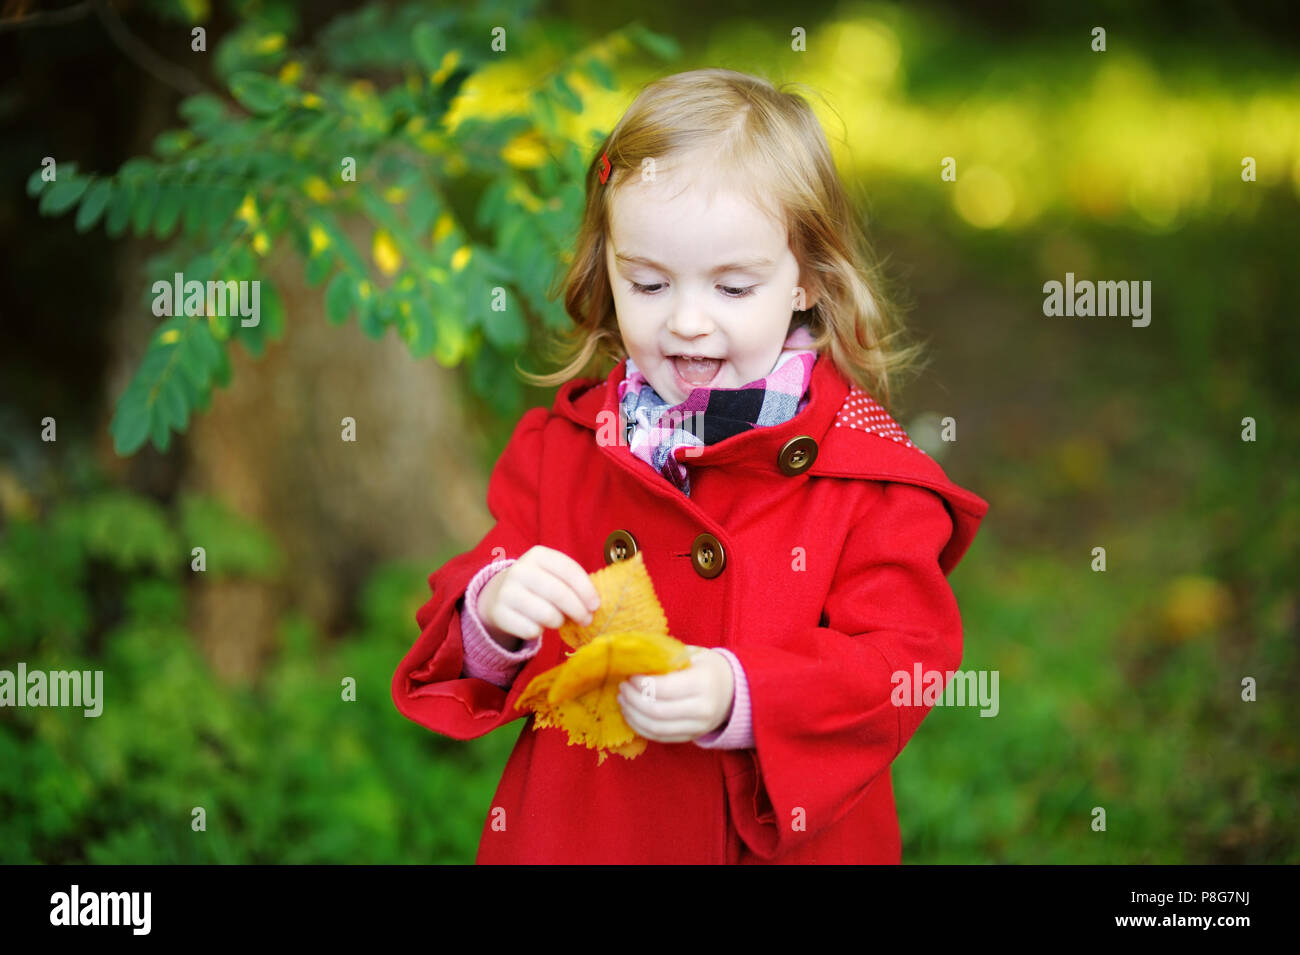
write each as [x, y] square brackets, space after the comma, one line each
[824, 723]
[429, 686]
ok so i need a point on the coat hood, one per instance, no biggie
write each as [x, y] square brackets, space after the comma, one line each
[856, 438]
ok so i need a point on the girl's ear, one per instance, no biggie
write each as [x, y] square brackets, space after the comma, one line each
[810, 295]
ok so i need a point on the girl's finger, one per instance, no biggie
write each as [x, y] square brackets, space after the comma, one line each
[516, 624]
[678, 685]
[558, 592]
[525, 602]
[572, 573]
[689, 708]
[673, 731]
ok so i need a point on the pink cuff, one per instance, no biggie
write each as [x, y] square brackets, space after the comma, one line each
[484, 658]
[738, 731]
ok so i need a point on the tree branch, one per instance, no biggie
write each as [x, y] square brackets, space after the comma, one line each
[163, 70]
[50, 18]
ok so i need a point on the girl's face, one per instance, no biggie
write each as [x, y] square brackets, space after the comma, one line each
[698, 276]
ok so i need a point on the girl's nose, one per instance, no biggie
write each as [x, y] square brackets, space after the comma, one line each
[688, 320]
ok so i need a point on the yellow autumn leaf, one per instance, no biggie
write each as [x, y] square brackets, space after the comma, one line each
[628, 635]
[317, 189]
[269, 43]
[449, 62]
[525, 151]
[247, 211]
[319, 238]
[443, 227]
[385, 253]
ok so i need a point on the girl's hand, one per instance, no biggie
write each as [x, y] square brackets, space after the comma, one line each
[537, 591]
[679, 706]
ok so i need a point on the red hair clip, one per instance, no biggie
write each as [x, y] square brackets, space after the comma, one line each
[604, 168]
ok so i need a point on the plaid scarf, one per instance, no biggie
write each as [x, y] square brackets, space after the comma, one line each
[709, 415]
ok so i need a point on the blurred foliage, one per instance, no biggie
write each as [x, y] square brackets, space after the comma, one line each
[462, 251]
[286, 770]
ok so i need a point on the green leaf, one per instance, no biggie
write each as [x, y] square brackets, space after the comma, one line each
[119, 212]
[130, 426]
[426, 332]
[567, 97]
[339, 297]
[36, 182]
[202, 110]
[272, 312]
[428, 46]
[144, 200]
[60, 196]
[93, 204]
[171, 401]
[257, 92]
[601, 73]
[504, 329]
[662, 46]
[168, 211]
[318, 268]
[158, 430]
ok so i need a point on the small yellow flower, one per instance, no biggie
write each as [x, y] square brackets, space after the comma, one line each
[429, 142]
[395, 194]
[320, 239]
[443, 227]
[169, 336]
[291, 72]
[311, 101]
[449, 62]
[316, 188]
[269, 43]
[460, 258]
[525, 151]
[385, 253]
[248, 210]
[261, 243]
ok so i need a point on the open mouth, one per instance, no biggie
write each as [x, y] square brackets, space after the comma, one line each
[697, 372]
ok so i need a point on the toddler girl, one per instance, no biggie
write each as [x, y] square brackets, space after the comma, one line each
[798, 541]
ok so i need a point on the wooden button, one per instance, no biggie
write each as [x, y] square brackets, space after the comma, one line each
[798, 455]
[707, 556]
[619, 545]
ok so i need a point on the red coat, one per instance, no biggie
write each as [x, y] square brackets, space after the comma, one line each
[833, 577]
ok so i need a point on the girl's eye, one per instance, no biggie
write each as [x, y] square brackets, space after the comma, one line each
[728, 290]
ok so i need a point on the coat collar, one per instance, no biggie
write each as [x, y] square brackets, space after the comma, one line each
[594, 404]
[843, 450]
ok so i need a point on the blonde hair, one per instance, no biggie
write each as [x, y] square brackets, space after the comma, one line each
[770, 140]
